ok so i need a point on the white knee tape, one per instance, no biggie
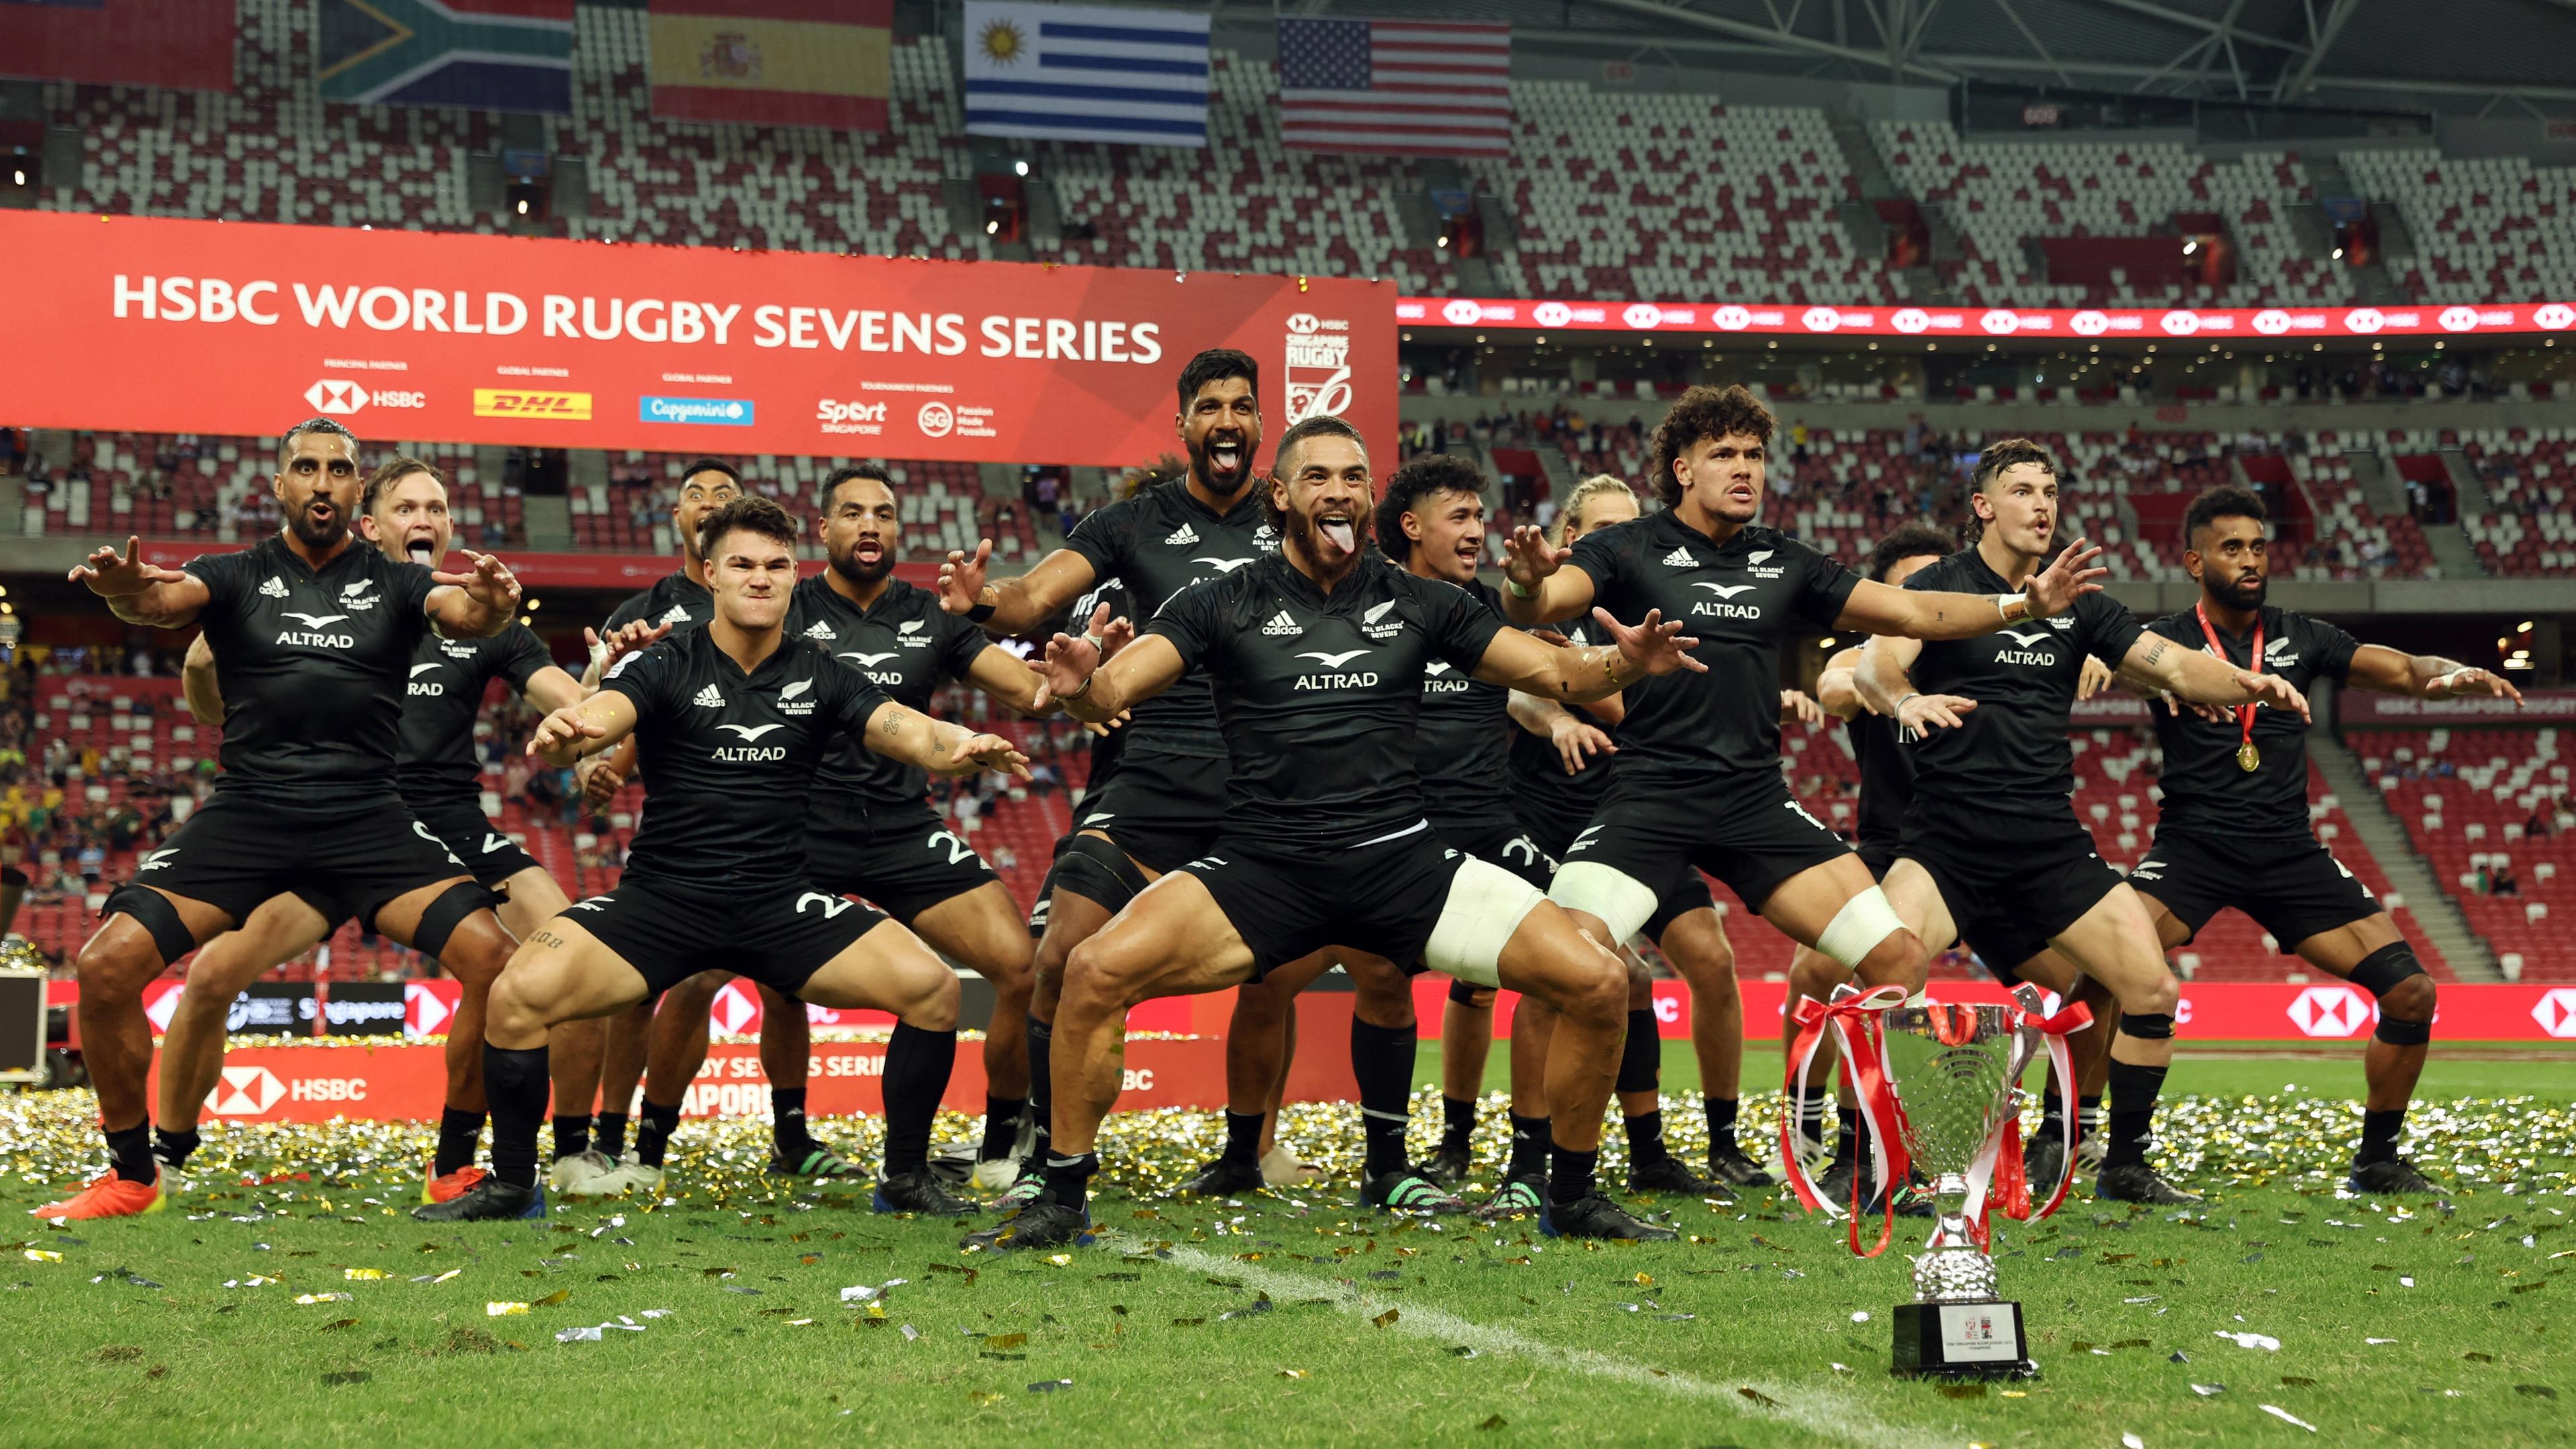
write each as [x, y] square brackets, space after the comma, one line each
[1620, 900]
[1855, 931]
[1486, 904]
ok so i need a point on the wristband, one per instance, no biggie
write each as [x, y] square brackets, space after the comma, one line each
[1897, 710]
[1084, 690]
[981, 612]
[2004, 603]
[2450, 683]
[1513, 585]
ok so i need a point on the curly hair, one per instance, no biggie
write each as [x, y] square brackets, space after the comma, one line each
[1430, 474]
[750, 513]
[1905, 541]
[1704, 413]
[2228, 500]
[1991, 463]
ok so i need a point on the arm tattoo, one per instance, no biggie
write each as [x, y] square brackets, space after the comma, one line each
[2154, 654]
[894, 720]
[548, 939]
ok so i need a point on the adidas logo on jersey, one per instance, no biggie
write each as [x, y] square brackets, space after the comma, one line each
[1680, 558]
[674, 615]
[275, 588]
[1280, 623]
[821, 631]
[1182, 537]
[708, 698]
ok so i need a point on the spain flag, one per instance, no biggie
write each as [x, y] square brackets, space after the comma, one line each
[773, 62]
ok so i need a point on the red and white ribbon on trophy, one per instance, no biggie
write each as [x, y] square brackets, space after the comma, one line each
[1997, 1170]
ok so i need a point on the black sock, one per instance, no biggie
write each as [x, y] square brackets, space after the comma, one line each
[1646, 1140]
[1811, 1116]
[2052, 1113]
[2379, 1136]
[1068, 1180]
[2133, 1112]
[1569, 1173]
[1721, 1123]
[173, 1147]
[1041, 1087]
[608, 1132]
[916, 1073]
[787, 1123]
[1457, 1122]
[1641, 1054]
[458, 1135]
[1243, 1137]
[129, 1151]
[653, 1135]
[1529, 1148]
[1001, 1126]
[1847, 1130]
[572, 1136]
[515, 1083]
[1382, 1060]
[2088, 1116]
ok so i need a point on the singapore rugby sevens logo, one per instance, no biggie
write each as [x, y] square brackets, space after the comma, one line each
[936, 419]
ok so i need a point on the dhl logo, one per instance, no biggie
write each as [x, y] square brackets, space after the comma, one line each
[495, 402]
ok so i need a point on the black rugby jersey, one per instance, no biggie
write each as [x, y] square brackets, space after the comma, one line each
[1540, 787]
[728, 758]
[1886, 777]
[1156, 544]
[311, 666]
[434, 757]
[905, 645]
[675, 599]
[1317, 695]
[1741, 599]
[2012, 752]
[1463, 740]
[2204, 788]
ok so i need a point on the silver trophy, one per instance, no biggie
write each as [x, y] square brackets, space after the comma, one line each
[1955, 1072]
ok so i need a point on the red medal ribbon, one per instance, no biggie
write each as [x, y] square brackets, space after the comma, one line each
[2244, 712]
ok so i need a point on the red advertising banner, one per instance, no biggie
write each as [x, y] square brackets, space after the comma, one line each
[184, 45]
[232, 327]
[2116, 324]
[2538, 707]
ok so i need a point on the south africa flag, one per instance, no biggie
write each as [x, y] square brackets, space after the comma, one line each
[485, 55]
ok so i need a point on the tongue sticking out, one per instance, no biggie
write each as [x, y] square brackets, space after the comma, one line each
[1339, 531]
[420, 552]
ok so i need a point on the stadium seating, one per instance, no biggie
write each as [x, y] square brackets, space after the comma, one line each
[2486, 228]
[2528, 527]
[2465, 798]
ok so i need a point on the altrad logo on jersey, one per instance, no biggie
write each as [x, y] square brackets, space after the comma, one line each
[312, 634]
[749, 751]
[1336, 680]
[2029, 652]
[1435, 680]
[420, 688]
[1720, 608]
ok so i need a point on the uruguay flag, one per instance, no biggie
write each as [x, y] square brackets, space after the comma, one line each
[1086, 73]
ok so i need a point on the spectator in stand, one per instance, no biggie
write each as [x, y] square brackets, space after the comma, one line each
[2537, 826]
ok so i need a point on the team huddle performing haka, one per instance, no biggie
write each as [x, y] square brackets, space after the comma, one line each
[1320, 742]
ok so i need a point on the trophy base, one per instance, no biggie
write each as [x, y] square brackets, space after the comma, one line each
[1961, 1340]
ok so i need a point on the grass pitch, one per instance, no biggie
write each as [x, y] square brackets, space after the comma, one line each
[1297, 1317]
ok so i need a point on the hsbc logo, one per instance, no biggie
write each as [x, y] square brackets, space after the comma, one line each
[245, 1092]
[1551, 314]
[1644, 316]
[1732, 318]
[1305, 324]
[1911, 319]
[2554, 317]
[2272, 322]
[2556, 1011]
[425, 1012]
[2089, 323]
[1459, 312]
[735, 1010]
[1999, 321]
[336, 397]
[935, 419]
[2331, 1011]
[2181, 324]
[1821, 319]
[2458, 319]
[2365, 319]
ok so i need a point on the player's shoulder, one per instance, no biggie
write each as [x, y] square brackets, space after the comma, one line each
[2180, 625]
[1956, 573]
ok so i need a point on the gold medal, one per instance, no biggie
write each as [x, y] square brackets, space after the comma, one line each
[2248, 758]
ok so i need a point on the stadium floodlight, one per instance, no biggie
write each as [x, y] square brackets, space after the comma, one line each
[2338, 254]
[2190, 246]
[1019, 168]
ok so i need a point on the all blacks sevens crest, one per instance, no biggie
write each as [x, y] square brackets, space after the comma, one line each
[1939, 1085]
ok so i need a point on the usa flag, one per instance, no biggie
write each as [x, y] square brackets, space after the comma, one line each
[1397, 86]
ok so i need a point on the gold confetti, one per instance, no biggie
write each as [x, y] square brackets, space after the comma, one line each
[503, 1310]
[555, 1299]
[43, 1255]
[1387, 1319]
[362, 1275]
[1292, 1373]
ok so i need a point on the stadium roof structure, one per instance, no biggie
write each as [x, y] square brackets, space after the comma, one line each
[2484, 57]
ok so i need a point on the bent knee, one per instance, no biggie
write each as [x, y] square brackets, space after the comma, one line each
[2413, 999]
[2156, 995]
[934, 1006]
[116, 966]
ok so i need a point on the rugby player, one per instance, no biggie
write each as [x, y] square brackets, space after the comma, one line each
[2234, 830]
[1697, 782]
[1318, 657]
[403, 513]
[1991, 850]
[313, 635]
[737, 719]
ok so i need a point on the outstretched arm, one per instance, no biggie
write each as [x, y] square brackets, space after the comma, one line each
[1018, 605]
[2424, 676]
[1539, 588]
[1587, 672]
[2202, 678]
[1007, 677]
[1096, 693]
[913, 738]
[585, 728]
[1886, 680]
[141, 593]
[1931, 614]
[475, 605]
[552, 688]
[1576, 739]
[1838, 687]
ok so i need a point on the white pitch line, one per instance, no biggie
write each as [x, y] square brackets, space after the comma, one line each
[1827, 1415]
